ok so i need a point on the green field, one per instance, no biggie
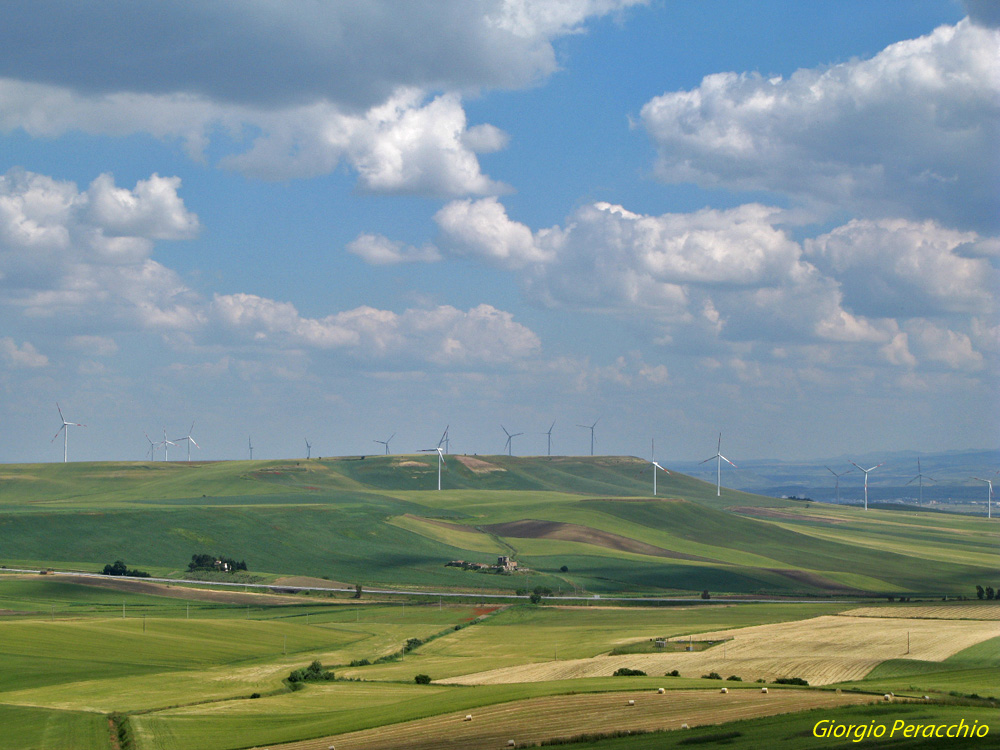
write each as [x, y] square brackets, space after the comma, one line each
[189, 668]
[377, 521]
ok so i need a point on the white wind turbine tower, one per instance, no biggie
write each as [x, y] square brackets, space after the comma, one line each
[250, 445]
[989, 496]
[919, 478]
[509, 445]
[549, 433]
[152, 448]
[441, 461]
[445, 440]
[718, 473]
[189, 440]
[308, 449]
[166, 442]
[385, 442]
[866, 480]
[838, 478]
[655, 467]
[65, 432]
[591, 428]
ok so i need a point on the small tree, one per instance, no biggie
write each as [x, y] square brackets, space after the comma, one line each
[422, 679]
[989, 592]
[705, 594]
[357, 591]
[979, 592]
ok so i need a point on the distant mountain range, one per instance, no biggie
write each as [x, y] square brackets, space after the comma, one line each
[947, 476]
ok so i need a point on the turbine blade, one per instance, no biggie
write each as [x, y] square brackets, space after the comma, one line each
[57, 434]
[60, 412]
[709, 459]
[727, 460]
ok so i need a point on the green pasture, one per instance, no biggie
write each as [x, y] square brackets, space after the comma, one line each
[371, 521]
[26, 727]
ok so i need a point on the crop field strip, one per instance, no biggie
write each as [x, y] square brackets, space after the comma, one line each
[538, 719]
[822, 650]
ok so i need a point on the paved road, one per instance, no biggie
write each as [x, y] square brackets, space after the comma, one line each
[440, 594]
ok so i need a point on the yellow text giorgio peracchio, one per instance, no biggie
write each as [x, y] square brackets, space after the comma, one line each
[898, 728]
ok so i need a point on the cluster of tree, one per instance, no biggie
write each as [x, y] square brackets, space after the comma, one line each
[313, 673]
[118, 568]
[987, 593]
[626, 672]
[211, 562]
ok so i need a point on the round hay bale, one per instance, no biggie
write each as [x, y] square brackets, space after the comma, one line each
[661, 691]
[763, 690]
[631, 703]
[887, 697]
[511, 743]
[685, 726]
[724, 690]
[468, 717]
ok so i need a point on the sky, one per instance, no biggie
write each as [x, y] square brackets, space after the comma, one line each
[340, 222]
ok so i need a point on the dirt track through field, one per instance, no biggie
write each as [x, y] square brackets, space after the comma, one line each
[539, 719]
[822, 650]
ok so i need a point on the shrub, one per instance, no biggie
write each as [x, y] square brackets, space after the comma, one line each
[734, 678]
[412, 643]
[672, 673]
[626, 672]
[711, 676]
[422, 679]
[564, 569]
[255, 695]
[791, 681]
[360, 663]
[313, 673]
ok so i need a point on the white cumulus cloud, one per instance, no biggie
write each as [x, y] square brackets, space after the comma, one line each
[911, 132]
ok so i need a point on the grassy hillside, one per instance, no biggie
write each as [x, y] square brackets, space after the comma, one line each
[380, 520]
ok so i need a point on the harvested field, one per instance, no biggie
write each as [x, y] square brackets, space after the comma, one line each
[419, 464]
[955, 611]
[822, 650]
[539, 719]
[477, 465]
[571, 532]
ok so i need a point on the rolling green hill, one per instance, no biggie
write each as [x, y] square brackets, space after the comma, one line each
[380, 520]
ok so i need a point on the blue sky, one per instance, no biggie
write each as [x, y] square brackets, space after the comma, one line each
[339, 221]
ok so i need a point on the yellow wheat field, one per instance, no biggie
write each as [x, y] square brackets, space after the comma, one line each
[953, 611]
[538, 719]
[822, 650]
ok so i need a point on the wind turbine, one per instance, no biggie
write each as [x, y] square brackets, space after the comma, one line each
[591, 428]
[718, 473]
[989, 497]
[385, 442]
[445, 440]
[919, 478]
[308, 449]
[866, 480]
[65, 432]
[838, 478]
[549, 433]
[189, 440]
[655, 467]
[509, 445]
[250, 445]
[440, 461]
[166, 442]
[152, 448]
